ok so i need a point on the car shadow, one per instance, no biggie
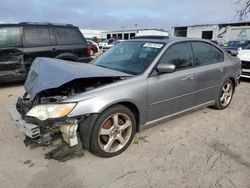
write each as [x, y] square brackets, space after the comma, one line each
[13, 84]
[245, 80]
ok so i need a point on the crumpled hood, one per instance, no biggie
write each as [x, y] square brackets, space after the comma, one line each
[48, 73]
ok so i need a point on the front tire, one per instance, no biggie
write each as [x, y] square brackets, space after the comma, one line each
[225, 95]
[113, 131]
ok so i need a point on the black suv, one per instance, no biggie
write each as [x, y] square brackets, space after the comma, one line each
[21, 43]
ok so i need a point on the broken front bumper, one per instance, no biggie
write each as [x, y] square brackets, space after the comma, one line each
[30, 130]
[43, 135]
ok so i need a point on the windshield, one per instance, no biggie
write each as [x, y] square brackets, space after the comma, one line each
[130, 57]
[234, 44]
[10, 36]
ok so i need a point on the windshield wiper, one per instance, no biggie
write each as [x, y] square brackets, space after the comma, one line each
[103, 66]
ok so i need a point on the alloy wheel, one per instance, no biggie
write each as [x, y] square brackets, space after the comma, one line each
[226, 94]
[115, 132]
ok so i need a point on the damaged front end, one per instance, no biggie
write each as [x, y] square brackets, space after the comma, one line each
[43, 121]
[42, 113]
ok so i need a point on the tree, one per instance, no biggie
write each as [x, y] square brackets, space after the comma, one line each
[245, 8]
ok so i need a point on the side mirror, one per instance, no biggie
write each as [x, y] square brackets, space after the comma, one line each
[234, 52]
[166, 68]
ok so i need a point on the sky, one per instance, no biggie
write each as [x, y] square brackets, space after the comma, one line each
[120, 14]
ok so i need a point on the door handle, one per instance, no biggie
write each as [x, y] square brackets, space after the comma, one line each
[221, 69]
[189, 77]
[53, 49]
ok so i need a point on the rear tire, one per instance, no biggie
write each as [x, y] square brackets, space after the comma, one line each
[113, 131]
[225, 95]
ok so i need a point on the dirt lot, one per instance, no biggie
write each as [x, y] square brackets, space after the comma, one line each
[207, 148]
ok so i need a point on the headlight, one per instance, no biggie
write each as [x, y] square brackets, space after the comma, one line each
[46, 111]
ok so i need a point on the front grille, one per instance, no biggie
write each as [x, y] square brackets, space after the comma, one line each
[246, 73]
[33, 130]
[245, 64]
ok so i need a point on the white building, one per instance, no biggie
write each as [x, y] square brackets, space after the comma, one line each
[127, 34]
[217, 32]
[120, 34]
[93, 33]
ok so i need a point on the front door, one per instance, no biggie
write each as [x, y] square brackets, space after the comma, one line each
[171, 93]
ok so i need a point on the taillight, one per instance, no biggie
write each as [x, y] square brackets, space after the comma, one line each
[89, 51]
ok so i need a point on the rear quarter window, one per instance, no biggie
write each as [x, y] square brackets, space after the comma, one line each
[218, 54]
[10, 36]
[66, 35]
[36, 36]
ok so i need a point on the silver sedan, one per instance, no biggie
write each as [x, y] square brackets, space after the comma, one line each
[134, 85]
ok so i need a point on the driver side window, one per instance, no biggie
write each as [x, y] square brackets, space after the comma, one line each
[178, 54]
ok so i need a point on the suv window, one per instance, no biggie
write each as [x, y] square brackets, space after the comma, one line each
[36, 36]
[204, 53]
[179, 54]
[10, 36]
[66, 35]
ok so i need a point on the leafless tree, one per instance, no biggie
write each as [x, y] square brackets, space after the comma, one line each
[244, 10]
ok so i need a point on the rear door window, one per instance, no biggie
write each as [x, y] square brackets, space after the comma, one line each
[10, 36]
[66, 35]
[178, 54]
[204, 54]
[36, 36]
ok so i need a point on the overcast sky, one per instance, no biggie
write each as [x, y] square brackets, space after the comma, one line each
[117, 14]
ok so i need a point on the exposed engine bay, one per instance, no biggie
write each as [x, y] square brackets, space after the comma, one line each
[56, 95]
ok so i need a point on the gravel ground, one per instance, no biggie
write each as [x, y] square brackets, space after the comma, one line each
[207, 148]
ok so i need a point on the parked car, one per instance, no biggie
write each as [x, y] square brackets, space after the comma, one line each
[108, 46]
[244, 56]
[93, 47]
[21, 43]
[162, 37]
[105, 43]
[134, 85]
[233, 46]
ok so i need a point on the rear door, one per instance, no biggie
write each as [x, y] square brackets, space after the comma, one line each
[70, 40]
[209, 71]
[11, 57]
[37, 43]
[172, 93]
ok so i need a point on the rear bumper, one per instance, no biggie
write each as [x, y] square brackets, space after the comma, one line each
[11, 76]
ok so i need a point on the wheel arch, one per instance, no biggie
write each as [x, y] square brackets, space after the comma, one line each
[85, 131]
[67, 56]
[131, 106]
[234, 82]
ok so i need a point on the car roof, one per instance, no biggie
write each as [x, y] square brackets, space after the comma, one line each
[161, 37]
[243, 40]
[36, 24]
[174, 39]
